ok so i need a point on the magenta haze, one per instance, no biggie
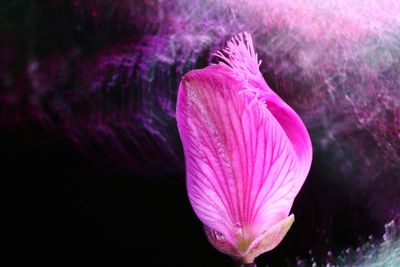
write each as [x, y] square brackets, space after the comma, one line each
[106, 79]
[122, 95]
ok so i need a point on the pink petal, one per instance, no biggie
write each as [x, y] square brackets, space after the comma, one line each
[245, 163]
[242, 59]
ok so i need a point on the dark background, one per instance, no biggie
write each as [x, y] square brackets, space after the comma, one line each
[63, 208]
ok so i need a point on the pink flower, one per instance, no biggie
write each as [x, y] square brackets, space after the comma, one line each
[247, 153]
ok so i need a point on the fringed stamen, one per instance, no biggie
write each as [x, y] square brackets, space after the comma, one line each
[240, 56]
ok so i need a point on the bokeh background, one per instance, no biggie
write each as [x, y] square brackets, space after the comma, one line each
[90, 151]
